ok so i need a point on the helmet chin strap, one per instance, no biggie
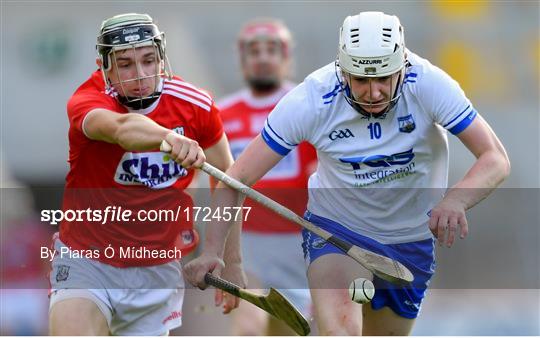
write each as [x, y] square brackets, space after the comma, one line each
[346, 92]
[137, 103]
[382, 114]
[358, 107]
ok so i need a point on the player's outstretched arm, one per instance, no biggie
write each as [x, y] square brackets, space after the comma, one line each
[491, 167]
[219, 155]
[131, 131]
[253, 164]
[136, 132]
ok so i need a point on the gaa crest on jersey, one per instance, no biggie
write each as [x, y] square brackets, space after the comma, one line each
[155, 170]
[341, 133]
[406, 123]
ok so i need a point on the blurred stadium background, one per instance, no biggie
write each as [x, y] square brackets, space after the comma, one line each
[492, 48]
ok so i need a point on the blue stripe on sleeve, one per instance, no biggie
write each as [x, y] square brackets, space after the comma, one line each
[458, 128]
[457, 117]
[278, 148]
[277, 135]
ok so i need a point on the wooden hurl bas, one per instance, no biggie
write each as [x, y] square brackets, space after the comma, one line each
[381, 266]
[274, 303]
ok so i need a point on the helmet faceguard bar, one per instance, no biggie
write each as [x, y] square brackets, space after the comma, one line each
[157, 75]
[371, 66]
[360, 106]
[127, 37]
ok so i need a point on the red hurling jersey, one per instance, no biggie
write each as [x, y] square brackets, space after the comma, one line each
[243, 119]
[104, 175]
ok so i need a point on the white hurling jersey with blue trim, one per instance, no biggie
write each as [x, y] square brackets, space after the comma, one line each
[379, 177]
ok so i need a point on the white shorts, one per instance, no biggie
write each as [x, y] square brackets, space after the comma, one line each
[124, 295]
[277, 261]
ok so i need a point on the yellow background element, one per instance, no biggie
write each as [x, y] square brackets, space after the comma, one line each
[476, 72]
[453, 9]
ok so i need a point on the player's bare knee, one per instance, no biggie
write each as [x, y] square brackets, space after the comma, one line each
[340, 322]
[385, 322]
[347, 326]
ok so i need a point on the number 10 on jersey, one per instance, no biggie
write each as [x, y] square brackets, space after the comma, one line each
[375, 130]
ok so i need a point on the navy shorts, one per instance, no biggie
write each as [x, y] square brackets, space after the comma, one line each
[418, 257]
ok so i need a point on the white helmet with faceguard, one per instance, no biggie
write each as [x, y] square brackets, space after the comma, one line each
[131, 31]
[371, 46]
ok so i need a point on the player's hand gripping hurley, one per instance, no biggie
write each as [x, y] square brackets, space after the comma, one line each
[381, 266]
[274, 303]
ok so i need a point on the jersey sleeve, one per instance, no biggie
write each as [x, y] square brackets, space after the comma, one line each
[211, 127]
[82, 102]
[445, 100]
[289, 122]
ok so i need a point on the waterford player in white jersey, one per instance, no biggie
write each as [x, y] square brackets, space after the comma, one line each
[378, 118]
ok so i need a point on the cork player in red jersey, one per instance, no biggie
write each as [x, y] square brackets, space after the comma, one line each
[117, 120]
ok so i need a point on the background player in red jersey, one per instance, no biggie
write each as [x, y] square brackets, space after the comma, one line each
[271, 245]
[118, 118]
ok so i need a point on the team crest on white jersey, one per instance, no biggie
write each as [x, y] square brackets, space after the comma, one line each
[406, 124]
[152, 169]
